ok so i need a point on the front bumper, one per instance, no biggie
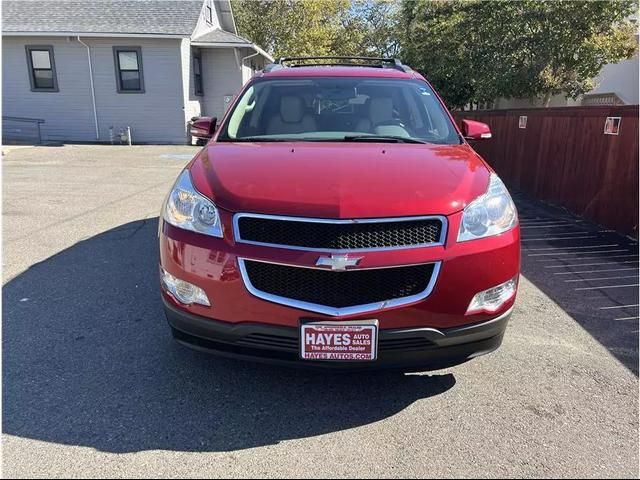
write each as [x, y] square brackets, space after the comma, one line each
[422, 348]
[466, 268]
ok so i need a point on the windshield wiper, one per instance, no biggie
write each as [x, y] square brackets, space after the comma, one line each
[382, 138]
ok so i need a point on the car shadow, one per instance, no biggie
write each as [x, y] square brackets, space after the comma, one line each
[89, 360]
[589, 271]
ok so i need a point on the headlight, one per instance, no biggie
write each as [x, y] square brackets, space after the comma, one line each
[489, 214]
[186, 208]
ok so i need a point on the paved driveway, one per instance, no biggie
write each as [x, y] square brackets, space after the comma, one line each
[93, 385]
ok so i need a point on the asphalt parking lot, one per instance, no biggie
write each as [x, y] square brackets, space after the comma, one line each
[93, 384]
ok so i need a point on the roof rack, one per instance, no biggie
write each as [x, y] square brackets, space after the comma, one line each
[338, 61]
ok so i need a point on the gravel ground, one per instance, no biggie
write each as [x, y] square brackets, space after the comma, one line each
[94, 386]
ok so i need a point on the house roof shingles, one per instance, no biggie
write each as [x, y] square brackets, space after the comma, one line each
[162, 17]
[220, 36]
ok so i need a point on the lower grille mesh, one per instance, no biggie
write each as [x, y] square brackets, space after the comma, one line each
[292, 343]
[339, 289]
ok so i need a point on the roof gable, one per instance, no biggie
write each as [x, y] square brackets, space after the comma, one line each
[225, 14]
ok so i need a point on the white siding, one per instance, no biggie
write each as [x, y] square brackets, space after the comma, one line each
[67, 113]
[155, 116]
[221, 78]
[621, 79]
[192, 105]
[251, 65]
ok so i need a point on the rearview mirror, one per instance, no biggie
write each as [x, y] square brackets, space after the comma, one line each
[203, 128]
[473, 130]
[339, 93]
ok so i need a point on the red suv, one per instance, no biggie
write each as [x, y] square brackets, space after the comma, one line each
[339, 218]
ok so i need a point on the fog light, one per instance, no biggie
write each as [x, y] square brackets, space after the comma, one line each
[182, 291]
[492, 299]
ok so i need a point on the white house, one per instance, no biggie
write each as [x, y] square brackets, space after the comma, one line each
[84, 70]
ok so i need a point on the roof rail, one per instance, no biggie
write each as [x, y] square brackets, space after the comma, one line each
[338, 61]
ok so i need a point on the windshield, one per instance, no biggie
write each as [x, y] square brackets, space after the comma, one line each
[339, 109]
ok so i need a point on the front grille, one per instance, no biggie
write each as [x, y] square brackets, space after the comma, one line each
[339, 235]
[338, 289]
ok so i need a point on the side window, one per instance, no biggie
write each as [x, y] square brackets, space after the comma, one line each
[197, 74]
[42, 68]
[128, 63]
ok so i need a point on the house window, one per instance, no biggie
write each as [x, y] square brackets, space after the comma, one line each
[42, 68]
[197, 74]
[128, 61]
[208, 13]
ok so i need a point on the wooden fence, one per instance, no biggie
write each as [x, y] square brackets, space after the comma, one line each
[564, 157]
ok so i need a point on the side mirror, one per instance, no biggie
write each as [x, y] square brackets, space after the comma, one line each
[473, 130]
[203, 128]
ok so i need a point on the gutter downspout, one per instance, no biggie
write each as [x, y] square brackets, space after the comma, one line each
[242, 63]
[248, 57]
[235, 54]
[93, 92]
[262, 52]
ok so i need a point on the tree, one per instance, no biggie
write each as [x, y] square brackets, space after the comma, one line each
[369, 28]
[291, 27]
[434, 43]
[475, 51]
[320, 27]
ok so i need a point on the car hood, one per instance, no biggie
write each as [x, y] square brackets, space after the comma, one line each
[339, 180]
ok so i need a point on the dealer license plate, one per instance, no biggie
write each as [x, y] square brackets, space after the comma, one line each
[341, 342]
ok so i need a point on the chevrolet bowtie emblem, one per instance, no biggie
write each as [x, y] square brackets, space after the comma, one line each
[338, 262]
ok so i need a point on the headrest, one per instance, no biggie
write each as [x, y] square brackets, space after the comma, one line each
[380, 109]
[291, 109]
